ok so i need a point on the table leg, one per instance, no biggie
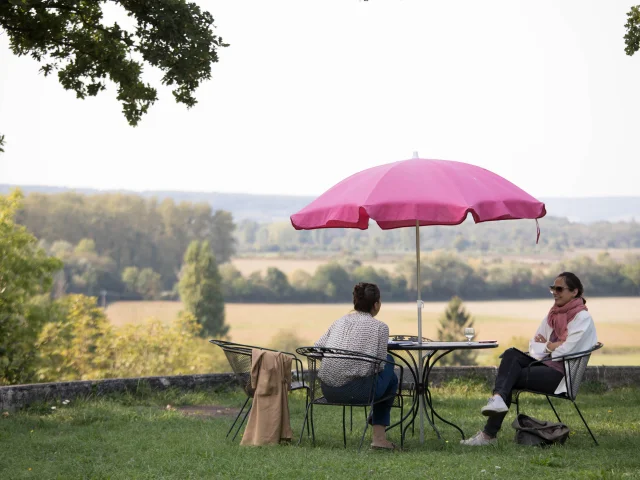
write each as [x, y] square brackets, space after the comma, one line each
[419, 392]
[427, 371]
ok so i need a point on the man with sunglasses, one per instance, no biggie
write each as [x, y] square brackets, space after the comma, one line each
[567, 328]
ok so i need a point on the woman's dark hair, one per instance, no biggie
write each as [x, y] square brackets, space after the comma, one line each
[365, 296]
[573, 283]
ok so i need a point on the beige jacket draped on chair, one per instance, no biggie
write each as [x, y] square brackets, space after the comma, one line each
[271, 381]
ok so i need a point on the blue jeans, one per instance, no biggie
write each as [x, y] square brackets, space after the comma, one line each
[357, 391]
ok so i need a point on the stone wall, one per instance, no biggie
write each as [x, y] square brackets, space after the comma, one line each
[18, 396]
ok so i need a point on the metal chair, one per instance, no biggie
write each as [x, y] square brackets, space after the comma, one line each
[407, 389]
[361, 395]
[574, 366]
[239, 357]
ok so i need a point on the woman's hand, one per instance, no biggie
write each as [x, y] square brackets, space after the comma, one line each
[540, 339]
[551, 346]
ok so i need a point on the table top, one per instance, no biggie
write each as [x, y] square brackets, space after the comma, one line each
[405, 345]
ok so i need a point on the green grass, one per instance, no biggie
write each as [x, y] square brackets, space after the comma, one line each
[136, 437]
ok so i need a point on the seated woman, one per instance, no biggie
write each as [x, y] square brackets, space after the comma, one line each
[567, 328]
[359, 332]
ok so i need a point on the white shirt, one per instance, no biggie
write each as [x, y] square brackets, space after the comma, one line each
[581, 336]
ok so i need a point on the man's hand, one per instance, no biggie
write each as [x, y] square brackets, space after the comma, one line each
[540, 339]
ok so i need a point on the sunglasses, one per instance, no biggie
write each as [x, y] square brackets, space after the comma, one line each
[553, 288]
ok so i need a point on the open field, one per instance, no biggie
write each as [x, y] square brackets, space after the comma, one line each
[148, 436]
[248, 265]
[617, 320]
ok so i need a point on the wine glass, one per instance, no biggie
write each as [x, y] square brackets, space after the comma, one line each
[469, 332]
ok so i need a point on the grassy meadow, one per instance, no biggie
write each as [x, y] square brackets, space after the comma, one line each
[509, 322]
[157, 436]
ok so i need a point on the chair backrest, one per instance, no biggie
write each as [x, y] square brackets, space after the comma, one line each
[574, 367]
[239, 357]
[329, 379]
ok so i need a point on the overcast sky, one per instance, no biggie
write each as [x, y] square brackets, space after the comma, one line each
[310, 92]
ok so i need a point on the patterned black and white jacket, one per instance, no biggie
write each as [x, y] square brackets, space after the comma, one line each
[358, 332]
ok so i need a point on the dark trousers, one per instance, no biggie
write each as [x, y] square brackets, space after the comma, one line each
[357, 391]
[514, 373]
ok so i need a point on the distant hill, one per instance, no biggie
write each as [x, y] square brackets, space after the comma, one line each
[273, 208]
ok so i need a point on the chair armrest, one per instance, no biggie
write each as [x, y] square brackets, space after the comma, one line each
[584, 353]
[568, 356]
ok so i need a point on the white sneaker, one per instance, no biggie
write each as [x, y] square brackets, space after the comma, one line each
[478, 440]
[494, 406]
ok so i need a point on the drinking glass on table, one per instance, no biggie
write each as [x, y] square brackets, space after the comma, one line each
[469, 332]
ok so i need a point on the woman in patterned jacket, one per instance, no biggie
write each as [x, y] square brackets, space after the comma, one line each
[342, 380]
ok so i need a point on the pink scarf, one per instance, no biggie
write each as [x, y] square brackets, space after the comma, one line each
[559, 317]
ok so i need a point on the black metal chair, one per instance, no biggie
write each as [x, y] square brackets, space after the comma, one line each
[575, 365]
[361, 395]
[408, 387]
[239, 357]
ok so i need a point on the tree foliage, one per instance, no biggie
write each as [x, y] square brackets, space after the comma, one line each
[632, 37]
[517, 237]
[25, 272]
[78, 343]
[152, 348]
[145, 282]
[71, 37]
[200, 289]
[452, 324]
[126, 231]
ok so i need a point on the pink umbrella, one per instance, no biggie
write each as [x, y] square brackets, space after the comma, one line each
[414, 193]
[418, 192]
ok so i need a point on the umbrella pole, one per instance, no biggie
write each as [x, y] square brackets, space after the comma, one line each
[419, 302]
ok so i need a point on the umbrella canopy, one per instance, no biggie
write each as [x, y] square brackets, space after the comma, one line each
[423, 191]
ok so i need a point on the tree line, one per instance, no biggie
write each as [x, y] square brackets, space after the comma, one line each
[515, 236]
[444, 274]
[126, 247]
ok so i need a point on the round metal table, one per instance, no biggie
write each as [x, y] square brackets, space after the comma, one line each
[430, 352]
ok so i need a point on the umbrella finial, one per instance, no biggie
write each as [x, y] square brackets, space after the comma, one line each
[415, 154]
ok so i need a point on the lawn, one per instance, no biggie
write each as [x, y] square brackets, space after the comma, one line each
[139, 437]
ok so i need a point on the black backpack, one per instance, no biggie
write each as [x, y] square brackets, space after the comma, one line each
[531, 431]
